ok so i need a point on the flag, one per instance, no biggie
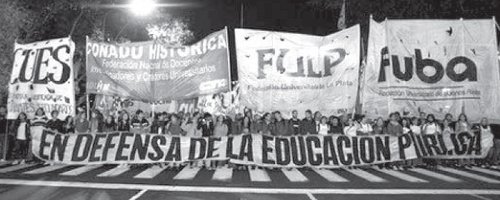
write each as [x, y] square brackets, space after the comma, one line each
[341, 23]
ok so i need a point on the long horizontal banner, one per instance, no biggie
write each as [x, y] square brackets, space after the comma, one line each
[152, 71]
[297, 151]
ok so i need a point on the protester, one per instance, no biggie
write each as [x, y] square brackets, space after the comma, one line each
[462, 125]
[55, 123]
[364, 128]
[336, 126]
[4, 145]
[280, 126]
[69, 125]
[308, 125]
[265, 125]
[295, 122]
[22, 130]
[139, 123]
[190, 126]
[123, 122]
[323, 127]
[393, 128]
[415, 126]
[206, 125]
[109, 124]
[379, 126]
[431, 126]
[82, 125]
[351, 128]
[405, 123]
[95, 122]
[173, 128]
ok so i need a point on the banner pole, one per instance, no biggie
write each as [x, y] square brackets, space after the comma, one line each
[88, 105]
[6, 137]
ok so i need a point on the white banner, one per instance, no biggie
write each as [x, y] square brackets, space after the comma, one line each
[287, 71]
[432, 66]
[42, 77]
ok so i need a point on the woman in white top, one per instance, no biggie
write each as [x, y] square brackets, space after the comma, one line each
[431, 126]
[462, 124]
[415, 126]
[406, 125]
[447, 126]
[323, 126]
[364, 128]
[351, 128]
[22, 130]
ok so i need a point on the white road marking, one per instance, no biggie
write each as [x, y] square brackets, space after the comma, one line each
[223, 174]
[15, 168]
[311, 196]
[177, 188]
[187, 173]
[150, 172]
[402, 176]
[366, 175]
[486, 171]
[258, 175]
[80, 170]
[330, 175]
[294, 175]
[116, 171]
[480, 197]
[435, 175]
[45, 169]
[139, 194]
[468, 175]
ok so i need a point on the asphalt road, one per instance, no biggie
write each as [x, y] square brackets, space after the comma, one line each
[111, 182]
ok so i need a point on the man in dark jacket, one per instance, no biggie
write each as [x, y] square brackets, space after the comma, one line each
[295, 122]
[280, 127]
[206, 125]
[308, 125]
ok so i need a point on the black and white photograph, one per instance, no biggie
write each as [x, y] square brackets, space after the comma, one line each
[249, 100]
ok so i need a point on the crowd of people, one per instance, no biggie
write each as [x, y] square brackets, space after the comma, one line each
[198, 124]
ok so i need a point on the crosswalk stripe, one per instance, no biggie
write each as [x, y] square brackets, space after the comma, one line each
[116, 171]
[80, 170]
[150, 172]
[486, 171]
[366, 175]
[468, 174]
[15, 168]
[402, 176]
[223, 174]
[435, 175]
[187, 173]
[45, 169]
[330, 175]
[258, 175]
[294, 175]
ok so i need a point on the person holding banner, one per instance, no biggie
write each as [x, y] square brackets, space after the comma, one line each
[324, 127]
[431, 126]
[139, 123]
[82, 124]
[364, 128]
[55, 123]
[22, 130]
[220, 130]
[173, 127]
[308, 125]
[95, 123]
[109, 124]
[69, 125]
[265, 126]
[123, 121]
[394, 128]
[379, 126]
[351, 128]
[280, 126]
[295, 122]
[336, 126]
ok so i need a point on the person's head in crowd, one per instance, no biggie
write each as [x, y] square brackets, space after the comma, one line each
[398, 115]
[40, 112]
[415, 121]
[324, 120]
[196, 116]
[207, 117]
[449, 117]
[22, 117]
[446, 123]
[277, 116]
[80, 109]
[161, 117]
[335, 121]
[266, 117]
[430, 118]
[174, 119]
[423, 115]
[350, 122]
[3, 111]
[54, 114]
[308, 114]
[109, 119]
[238, 116]
[344, 118]
[361, 119]
[256, 117]
[69, 120]
[393, 117]
[220, 119]
[124, 116]
[380, 122]
[248, 113]
[405, 122]
[246, 131]
[484, 122]
[462, 117]
[317, 116]
[139, 114]
[295, 114]
[82, 116]
[95, 114]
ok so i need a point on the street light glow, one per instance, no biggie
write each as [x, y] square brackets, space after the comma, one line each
[142, 7]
